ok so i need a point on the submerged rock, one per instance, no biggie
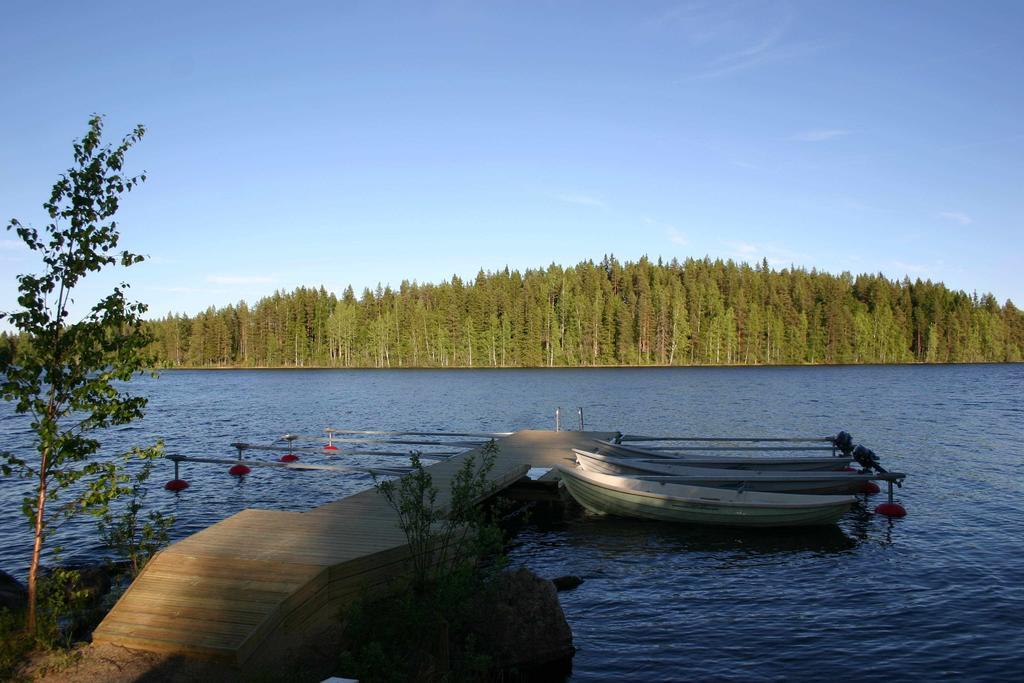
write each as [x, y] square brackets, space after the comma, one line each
[565, 583]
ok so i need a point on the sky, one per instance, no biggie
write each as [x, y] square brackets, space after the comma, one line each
[336, 143]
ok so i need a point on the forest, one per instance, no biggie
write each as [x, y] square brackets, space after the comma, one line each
[695, 312]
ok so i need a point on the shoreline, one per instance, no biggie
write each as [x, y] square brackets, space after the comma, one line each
[723, 366]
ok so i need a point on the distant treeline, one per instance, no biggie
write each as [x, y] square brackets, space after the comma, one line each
[698, 312]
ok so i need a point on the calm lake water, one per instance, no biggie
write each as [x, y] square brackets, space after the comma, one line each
[939, 594]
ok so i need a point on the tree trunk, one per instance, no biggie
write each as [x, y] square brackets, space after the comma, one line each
[33, 571]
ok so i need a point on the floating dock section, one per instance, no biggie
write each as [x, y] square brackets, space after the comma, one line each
[261, 581]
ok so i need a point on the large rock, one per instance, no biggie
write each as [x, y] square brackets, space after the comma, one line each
[93, 582]
[13, 595]
[87, 594]
[523, 628]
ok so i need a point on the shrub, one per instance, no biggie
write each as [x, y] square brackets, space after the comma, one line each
[421, 632]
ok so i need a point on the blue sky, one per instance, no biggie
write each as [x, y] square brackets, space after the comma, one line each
[333, 143]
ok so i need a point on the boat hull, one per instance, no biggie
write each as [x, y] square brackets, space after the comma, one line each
[778, 480]
[624, 497]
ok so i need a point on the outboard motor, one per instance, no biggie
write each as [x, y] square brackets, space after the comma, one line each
[844, 442]
[867, 459]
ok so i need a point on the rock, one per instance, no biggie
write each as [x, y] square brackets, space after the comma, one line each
[565, 583]
[93, 580]
[13, 595]
[523, 628]
[87, 593]
[88, 581]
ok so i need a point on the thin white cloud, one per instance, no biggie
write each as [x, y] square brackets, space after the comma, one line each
[728, 37]
[777, 257]
[699, 23]
[766, 52]
[753, 54]
[674, 234]
[239, 279]
[12, 245]
[910, 268]
[676, 237]
[582, 200]
[955, 216]
[821, 134]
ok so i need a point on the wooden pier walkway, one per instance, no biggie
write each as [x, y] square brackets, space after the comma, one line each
[252, 585]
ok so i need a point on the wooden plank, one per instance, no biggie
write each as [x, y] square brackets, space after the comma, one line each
[163, 640]
[323, 556]
[227, 585]
[287, 607]
[236, 632]
[302, 611]
[201, 609]
[244, 602]
[190, 565]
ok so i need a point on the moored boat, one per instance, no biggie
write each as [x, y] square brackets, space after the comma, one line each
[749, 462]
[777, 480]
[671, 502]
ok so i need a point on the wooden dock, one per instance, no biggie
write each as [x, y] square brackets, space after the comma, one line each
[256, 583]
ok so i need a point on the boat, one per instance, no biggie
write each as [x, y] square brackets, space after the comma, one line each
[670, 502]
[777, 480]
[742, 462]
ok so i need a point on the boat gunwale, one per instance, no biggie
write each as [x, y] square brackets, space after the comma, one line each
[836, 500]
[731, 459]
[728, 475]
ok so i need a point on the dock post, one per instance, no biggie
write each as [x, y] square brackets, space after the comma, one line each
[177, 484]
[581, 418]
[558, 419]
[239, 469]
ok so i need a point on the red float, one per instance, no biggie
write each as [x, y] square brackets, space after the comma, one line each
[891, 510]
[871, 488]
[289, 457]
[238, 470]
[176, 485]
[849, 469]
[330, 447]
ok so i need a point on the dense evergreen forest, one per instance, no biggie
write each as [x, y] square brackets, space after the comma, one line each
[698, 312]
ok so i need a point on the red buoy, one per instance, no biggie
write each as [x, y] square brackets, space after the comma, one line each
[891, 510]
[238, 470]
[849, 469]
[871, 488]
[176, 485]
[289, 457]
[330, 447]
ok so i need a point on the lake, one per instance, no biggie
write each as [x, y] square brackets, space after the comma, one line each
[938, 594]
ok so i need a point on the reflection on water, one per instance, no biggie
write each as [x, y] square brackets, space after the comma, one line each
[615, 536]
